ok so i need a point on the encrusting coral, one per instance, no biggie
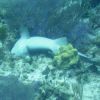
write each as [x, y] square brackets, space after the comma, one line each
[65, 57]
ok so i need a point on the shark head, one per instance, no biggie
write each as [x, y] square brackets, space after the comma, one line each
[20, 48]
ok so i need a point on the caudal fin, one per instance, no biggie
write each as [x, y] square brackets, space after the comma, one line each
[61, 41]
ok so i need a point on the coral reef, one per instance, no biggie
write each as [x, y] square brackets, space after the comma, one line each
[94, 16]
[54, 87]
[3, 26]
[97, 40]
[26, 69]
[66, 57]
[89, 93]
[39, 77]
[3, 31]
[47, 16]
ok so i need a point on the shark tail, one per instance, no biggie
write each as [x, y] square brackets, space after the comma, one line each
[61, 41]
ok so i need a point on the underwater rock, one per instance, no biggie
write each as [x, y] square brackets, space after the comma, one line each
[66, 57]
[12, 89]
[91, 89]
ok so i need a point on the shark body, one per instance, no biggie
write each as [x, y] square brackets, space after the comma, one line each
[27, 43]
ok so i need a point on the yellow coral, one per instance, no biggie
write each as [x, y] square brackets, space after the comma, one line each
[65, 57]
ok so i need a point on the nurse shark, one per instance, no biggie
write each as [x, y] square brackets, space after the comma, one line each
[27, 43]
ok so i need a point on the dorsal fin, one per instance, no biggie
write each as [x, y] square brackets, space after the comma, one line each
[24, 33]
